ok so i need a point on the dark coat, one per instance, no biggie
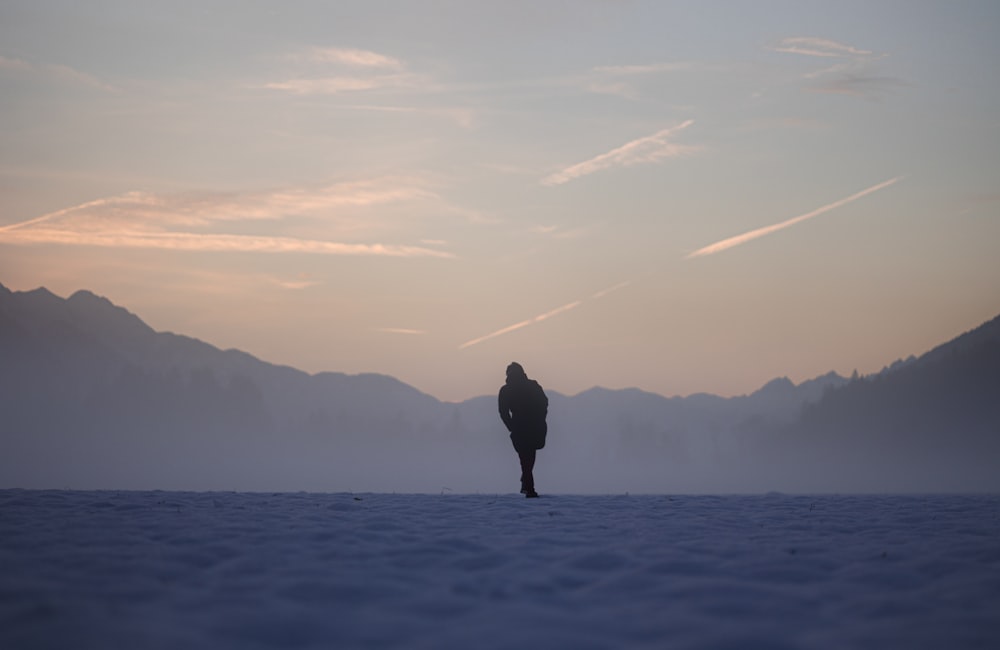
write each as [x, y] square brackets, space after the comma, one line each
[523, 408]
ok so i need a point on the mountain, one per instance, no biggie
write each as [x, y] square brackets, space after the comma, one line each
[91, 397]
[932, 420]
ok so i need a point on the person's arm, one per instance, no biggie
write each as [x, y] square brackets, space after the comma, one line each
[541, 401]
[503, 402]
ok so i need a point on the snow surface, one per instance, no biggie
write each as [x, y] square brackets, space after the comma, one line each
[237, 570]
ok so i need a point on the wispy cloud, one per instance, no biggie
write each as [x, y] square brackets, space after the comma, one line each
[202, 242]
[347, 56]
[200, 208]
[731, 242]
[642, 69]
[626, 81]
[326, 85]
[196, 221]
[333, 70]
[558, 232]
[367, 81]
[401, 330]
[54, 71]
[516, 326]
[303, 281]
[818, 47]
[7, 63]
[648, 149]
[859, 85]
[545, 316]
[852, 74]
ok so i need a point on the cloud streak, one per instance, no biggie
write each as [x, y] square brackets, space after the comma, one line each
[337, 85]
[524, 323]
[627, 81]
[818, 47]
[334, 71]
[650, 68]
[193, 222]
[349, 57]
[54, 71]
[717, 247]
[543, 317]
[218, 243]
[326, 85]
[851, 74]
[732, 242]
[648, 149]
[860, 85]
[202, 208]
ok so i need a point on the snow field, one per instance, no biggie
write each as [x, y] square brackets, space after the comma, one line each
[239, 570]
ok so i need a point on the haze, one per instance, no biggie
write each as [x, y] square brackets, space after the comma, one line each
[682, 197]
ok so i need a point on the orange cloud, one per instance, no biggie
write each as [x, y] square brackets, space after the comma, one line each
[179, 221]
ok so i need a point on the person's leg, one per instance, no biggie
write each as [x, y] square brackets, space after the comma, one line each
[527, 457]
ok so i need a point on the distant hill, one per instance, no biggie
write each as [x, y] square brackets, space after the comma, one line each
[932, 420]
[91, 397]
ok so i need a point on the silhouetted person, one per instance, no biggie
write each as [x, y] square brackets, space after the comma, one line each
[523, 407]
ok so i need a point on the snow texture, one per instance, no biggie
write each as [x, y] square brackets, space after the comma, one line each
[85, 569]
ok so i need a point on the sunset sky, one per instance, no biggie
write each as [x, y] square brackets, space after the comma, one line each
[677, 196]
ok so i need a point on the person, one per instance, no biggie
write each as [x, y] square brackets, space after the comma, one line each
[523, 409]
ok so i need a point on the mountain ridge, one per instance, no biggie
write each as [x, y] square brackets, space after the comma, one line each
[91, 396]
[91, 306]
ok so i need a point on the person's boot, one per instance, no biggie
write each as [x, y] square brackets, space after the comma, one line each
[531, 494]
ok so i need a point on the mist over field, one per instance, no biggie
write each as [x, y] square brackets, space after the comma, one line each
[94, 398]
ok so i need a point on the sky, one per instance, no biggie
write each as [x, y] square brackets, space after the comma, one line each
[681, 197]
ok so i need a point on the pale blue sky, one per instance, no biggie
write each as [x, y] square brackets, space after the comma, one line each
[433, 189]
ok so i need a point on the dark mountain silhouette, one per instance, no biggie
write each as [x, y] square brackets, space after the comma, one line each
[932, 420]
[90, 396]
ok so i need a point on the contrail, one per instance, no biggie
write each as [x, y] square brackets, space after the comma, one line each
[54, 215]
[650, 148]
[767, 230]
[524, 323]
[185, 241]
[546, 315]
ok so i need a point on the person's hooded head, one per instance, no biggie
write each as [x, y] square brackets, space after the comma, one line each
[515, 373]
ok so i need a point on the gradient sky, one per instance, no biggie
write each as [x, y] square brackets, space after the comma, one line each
[676, 196]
